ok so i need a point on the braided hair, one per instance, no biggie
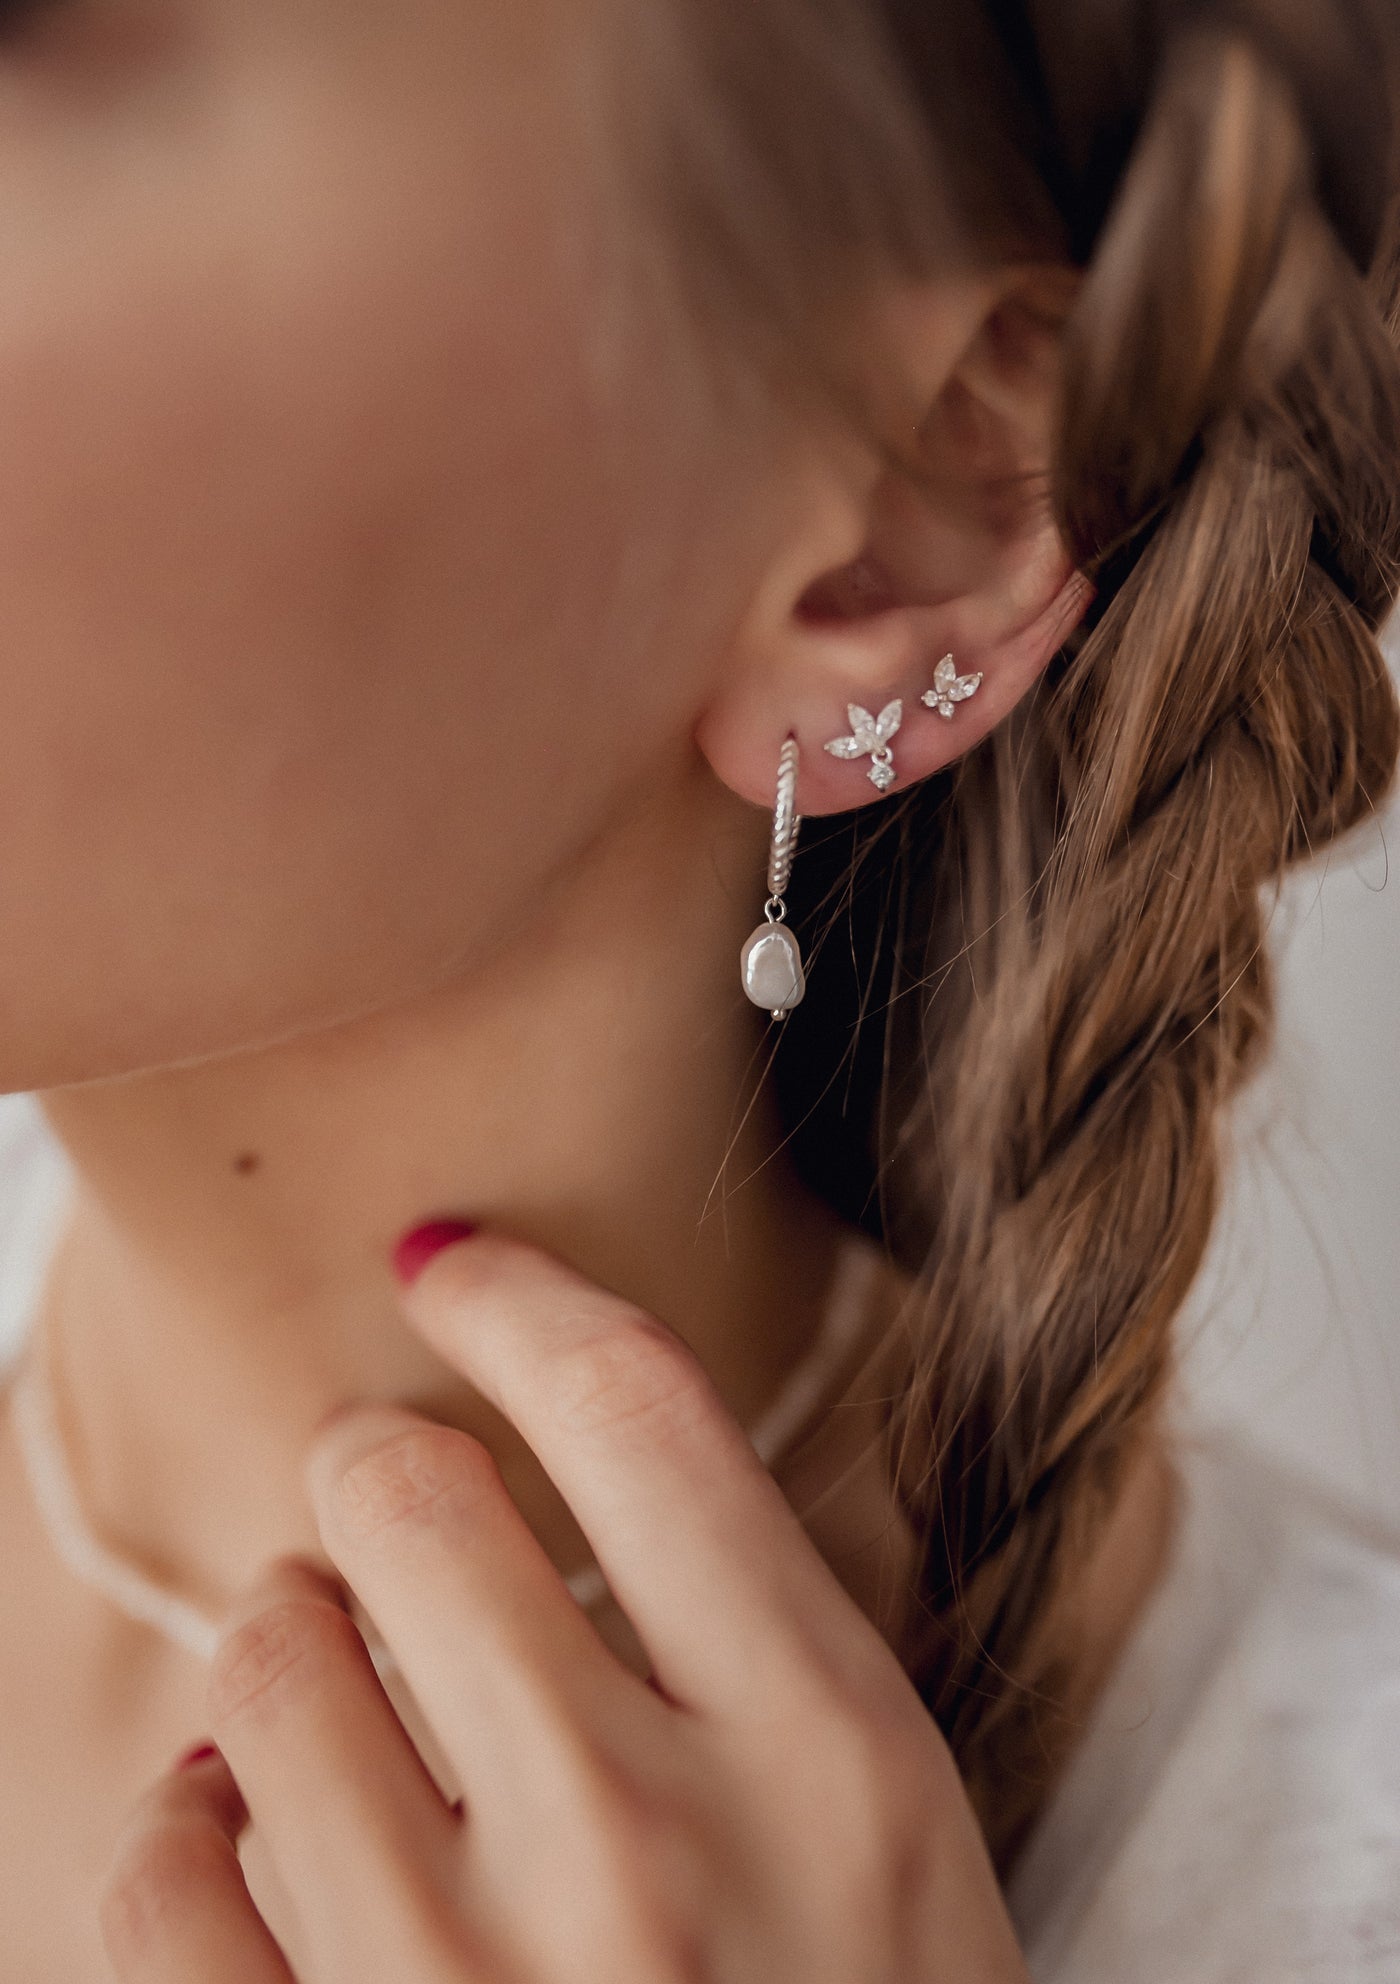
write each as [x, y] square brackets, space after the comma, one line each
[1051, 975]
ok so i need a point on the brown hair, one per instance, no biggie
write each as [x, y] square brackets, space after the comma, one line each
[1065, 935]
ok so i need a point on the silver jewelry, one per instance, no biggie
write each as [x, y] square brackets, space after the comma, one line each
[771, 960]
[144, 1599]
[871, 734]
[949, 688]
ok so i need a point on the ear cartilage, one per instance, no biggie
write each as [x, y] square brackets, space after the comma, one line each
[870, 735]
[950, 688]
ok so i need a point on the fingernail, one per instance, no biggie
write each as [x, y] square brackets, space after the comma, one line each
[417, 1247]
[200, 1754]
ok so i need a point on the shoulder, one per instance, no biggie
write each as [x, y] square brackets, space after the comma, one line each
[1233, 1810]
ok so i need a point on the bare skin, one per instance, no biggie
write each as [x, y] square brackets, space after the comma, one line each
[391, 723]
[139, 1701]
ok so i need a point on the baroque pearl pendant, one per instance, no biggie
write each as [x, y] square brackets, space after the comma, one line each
[771, 962]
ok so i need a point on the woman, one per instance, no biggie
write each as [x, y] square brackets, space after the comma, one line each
[463, 465]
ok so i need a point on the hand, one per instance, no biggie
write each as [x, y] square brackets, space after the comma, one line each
[773, 1805]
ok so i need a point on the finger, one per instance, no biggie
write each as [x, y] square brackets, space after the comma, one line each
[354, 1823]
[176, 1907]
[688, 1526]
[500, 1657]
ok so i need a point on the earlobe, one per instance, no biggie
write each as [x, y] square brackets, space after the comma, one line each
[900, 658]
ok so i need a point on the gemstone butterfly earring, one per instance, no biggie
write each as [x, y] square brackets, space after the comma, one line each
[771, 960]
[871, 734]
[949, 688]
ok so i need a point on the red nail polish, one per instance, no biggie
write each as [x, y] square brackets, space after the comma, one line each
[417, 1247]
[200, 1754]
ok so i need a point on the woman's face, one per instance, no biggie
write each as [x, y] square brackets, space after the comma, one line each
[364, 534]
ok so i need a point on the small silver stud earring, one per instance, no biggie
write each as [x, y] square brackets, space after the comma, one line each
[871, 734]
[771, 960]
[949, 688]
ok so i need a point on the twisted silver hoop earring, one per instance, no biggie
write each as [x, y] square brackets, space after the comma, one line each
[949, 688]
[871, 734]
[771, 961]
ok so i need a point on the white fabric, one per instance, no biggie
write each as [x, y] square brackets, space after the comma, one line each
[1232, 1814]
[35, 1177]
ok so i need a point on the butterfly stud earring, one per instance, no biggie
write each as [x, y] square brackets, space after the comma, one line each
[949, 688]
[871, 735]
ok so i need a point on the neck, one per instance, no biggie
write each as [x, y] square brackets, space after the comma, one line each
[224, 1277]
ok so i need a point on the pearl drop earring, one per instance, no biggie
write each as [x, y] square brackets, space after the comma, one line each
[771, 961]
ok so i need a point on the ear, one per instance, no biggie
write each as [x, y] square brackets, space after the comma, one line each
[878, 579]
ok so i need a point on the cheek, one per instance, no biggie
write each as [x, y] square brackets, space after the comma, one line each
[326, 573]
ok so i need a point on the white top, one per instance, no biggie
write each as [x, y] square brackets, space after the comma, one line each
[1232, 1813]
